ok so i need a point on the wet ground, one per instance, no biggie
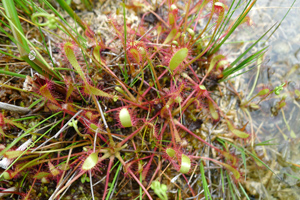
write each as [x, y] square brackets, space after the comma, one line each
[280, 127]
[269, 123]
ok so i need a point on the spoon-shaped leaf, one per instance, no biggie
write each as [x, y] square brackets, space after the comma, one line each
[44, 90]
[90, 161]
[237, 132]
[213, 112]
[171, 36]
[214, 61]
[185, 164]
[178, 58]
[170, 152]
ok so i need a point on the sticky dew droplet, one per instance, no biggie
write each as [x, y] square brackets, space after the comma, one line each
[32, 55]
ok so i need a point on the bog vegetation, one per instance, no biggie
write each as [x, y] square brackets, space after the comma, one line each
[138, 115]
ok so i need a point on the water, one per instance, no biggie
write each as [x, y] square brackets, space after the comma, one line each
[281, 64]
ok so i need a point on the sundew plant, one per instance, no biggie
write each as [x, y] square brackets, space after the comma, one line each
[135, 110]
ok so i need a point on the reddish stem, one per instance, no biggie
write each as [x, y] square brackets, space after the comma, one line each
[166, 70]
[130, 136]
[146, 169]
[172, 134]
[141, 185]
[174, 131]
[191, 189]
[111, 159]
[194, 73]
[154, 174]
[32, 184]
[196, 136]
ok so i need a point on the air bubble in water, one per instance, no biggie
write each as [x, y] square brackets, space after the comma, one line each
[32, 55]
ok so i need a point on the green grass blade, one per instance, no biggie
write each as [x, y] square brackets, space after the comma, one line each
[125, 39]
[8, 54]
[260, 161]
[295, 177]
[237, 75]
[227, 72]
[230, 186]
[32, 162]
[71, 12]
[244, 160]
[24, 118]
[282, 19]
[12, 74]
[87, 4]
[231, 70]
[259, 62]
[25, 133]
[11, 37]
[243, 54]
[227, 19]
[124, 72]
[36, 102]
[205, 185]
[38, 63]
[24, 7]
[251, 154]
[78, 36]
[46, 46]
[243, 190]
[235, 25]
[14, 22]
[222, 180]
[266, 143]
[113, 182]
